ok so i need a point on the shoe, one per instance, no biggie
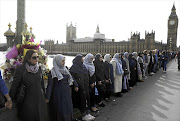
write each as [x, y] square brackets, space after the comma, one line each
[85, 118]
[107, 99]
[119, 95]
[141, 80]
[91, 117]
[96, 109]
[93, 109]
[131, 88]
[152, 73]
[101, 104]
[88, 117]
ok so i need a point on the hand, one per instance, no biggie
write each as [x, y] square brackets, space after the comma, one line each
[8, 104]
[99, 82]
[46, 100]
[107, 81]
[92, 85]
[76, 89]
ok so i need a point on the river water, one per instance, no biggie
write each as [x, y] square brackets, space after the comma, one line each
[68, 61]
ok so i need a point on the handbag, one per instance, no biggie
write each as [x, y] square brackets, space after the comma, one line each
[21, 91]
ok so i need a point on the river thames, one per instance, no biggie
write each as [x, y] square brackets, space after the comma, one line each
[68, 62]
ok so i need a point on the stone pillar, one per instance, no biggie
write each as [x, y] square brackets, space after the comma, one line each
[20, 20]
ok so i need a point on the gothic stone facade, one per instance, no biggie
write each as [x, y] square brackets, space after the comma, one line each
[100, 45]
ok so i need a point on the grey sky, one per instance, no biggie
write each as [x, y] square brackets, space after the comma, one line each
[116, 18]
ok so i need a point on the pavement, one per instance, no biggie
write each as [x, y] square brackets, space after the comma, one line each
[156, 99]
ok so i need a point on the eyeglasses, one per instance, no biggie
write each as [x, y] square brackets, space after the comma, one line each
[35, 57]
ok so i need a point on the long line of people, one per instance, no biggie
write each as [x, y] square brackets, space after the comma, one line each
[85, 85]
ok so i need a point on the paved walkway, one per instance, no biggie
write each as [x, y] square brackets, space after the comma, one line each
[156, 99]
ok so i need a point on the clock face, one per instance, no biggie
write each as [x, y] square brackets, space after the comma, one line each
[172, 22]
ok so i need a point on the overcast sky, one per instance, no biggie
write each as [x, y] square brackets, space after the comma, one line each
[116, 18]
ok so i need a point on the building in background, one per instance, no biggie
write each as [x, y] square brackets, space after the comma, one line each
[100, 44]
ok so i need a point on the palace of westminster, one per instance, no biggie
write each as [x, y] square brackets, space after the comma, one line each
[98, 43]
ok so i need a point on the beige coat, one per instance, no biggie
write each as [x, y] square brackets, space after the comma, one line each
[117, 79]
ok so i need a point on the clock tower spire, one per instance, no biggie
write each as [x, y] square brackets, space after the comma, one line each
[172, 30]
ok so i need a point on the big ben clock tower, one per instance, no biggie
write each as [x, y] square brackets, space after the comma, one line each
[172, 30]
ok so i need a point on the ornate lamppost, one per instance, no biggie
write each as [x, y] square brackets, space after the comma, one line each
[170, 42]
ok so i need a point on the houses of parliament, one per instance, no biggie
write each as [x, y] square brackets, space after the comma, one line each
[100, 44]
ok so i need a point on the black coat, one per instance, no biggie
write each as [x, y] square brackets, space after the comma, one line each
[58, 92]
[33, 107]
[100, 75]
[80, 97]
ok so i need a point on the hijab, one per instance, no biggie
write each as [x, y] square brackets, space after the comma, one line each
[58, 69]
[135, 55]
[78, 66]
[88, 64]
[107, 58]
[98, 64]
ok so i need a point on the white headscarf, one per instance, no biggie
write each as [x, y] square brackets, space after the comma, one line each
[135, 55]
[58, 69]
[107, 58]
[88, 64]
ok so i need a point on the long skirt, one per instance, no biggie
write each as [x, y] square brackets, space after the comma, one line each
[118, 83]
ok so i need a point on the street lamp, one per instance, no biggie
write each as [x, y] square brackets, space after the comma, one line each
[170, 41]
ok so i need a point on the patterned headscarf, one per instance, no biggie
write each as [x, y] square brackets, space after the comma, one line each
[89, 65]
[58, 69]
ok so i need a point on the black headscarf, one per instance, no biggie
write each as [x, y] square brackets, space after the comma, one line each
[78, 66]
[97, 63]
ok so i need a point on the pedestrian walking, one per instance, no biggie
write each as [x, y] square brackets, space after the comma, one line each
[164, 60]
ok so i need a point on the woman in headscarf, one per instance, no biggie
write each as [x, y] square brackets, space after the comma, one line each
[100, 78]
[141, 63]
[58, 90]
[118, 73]
[88, 62]
[29, 74]
[164, 60]
[80, 74]
[126, 54]
[125, 82]
[133, 71]
[108, 68]
[135, 55]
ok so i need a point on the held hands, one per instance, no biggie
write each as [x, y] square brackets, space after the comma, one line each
[8, 104]
[107, 81]
[46, 100]
[76, 89]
